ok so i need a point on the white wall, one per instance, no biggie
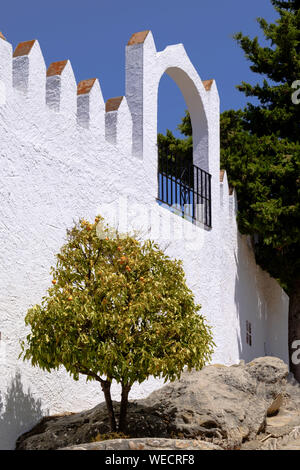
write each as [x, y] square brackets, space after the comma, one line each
[56, 166]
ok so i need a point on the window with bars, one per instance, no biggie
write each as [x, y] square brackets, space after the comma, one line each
[185, 187]
[248, 333]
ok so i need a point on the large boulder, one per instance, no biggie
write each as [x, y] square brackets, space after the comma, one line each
[229, 404]
[225, 405]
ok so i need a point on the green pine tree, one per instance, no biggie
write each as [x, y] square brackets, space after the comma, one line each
[279, 65]
[261, 152]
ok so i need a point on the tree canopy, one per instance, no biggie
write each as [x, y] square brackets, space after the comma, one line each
[118, 309]
[260, 147]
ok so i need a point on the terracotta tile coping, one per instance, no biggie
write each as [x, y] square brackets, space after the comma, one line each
[23, 48]
[138, 38]
[56, 68]
[207, 84]
[113, 104]
[85, 86]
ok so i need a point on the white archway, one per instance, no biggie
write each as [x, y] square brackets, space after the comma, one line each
[144, 69]
[197, 113]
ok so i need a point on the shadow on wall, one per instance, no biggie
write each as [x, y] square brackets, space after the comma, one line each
[251, 303]
[19, 411]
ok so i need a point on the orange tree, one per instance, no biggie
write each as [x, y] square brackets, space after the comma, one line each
[118, 309]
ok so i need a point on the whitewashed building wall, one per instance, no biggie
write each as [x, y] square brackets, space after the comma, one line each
[64, 154]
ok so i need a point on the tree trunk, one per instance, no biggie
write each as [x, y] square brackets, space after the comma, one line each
[123, 408]
[294, 329]
[111, 415]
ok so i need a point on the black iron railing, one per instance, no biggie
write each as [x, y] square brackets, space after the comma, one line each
[186, 188]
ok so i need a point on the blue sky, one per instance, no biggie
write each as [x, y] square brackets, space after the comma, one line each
[93, 35]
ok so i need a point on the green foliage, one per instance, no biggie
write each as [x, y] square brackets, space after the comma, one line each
[279, 65]
[118, 308]
[260, 146]
[265, 172]
[261, 150]
[169, 147]
[292, 5]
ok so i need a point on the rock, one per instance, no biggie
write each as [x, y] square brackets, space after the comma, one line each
[146, 444]
[275, 406]
[226, 405]
[282, 424]
[282, 431]
[292, 394]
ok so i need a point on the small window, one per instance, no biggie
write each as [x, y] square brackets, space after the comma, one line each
[248, 333]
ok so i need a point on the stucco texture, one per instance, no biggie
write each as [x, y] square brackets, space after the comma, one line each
[62, 158]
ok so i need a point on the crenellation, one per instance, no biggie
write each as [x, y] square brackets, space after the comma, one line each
[233, 202]
[29, 70]
[118, 123]
[224, 190]
[111, 119]
[90, 106]
[61, 88]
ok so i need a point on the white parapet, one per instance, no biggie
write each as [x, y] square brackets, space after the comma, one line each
[90, 106]
[233, 203]
[224, 191]
[118, 123]
[29, 70]
[228, 198]
[61, 88]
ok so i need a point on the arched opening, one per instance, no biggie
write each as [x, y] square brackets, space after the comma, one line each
[184, 184]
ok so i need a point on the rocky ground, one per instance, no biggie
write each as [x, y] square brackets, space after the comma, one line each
[147, 444]
[282, 430]
[247, 406]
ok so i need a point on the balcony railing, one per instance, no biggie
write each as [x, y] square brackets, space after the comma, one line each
[186, 188]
